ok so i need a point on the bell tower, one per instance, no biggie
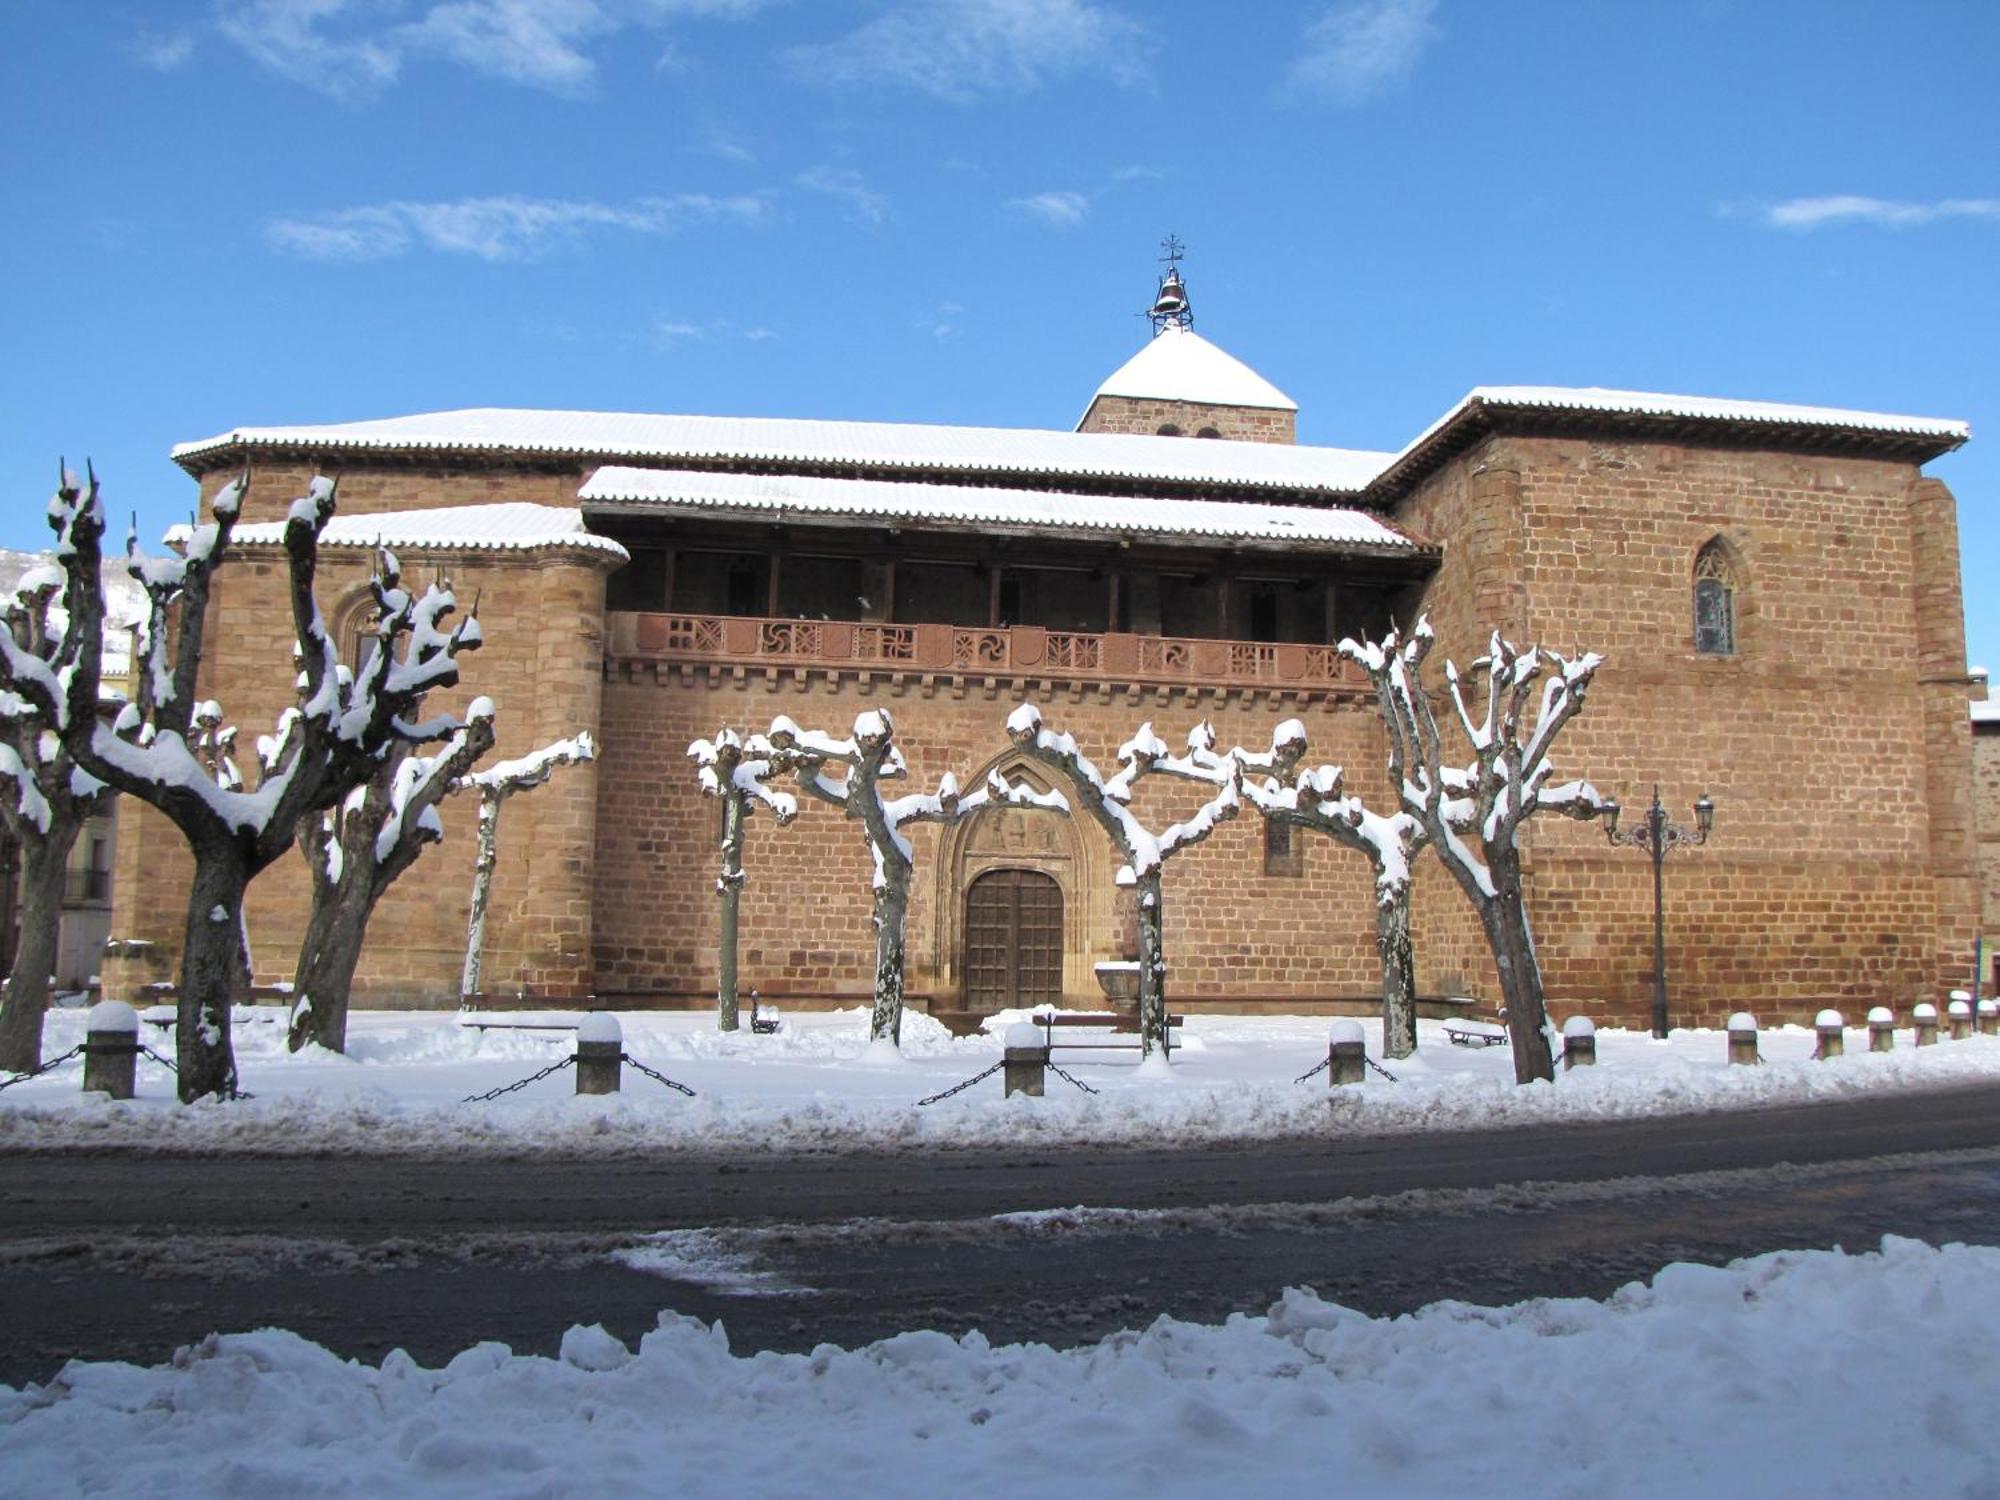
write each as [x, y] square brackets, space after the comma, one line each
[1181, 385]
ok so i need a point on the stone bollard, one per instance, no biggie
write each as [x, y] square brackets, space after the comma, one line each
[1881, 1029]
[1986, 1016]
[111, 1050]
[1743, 1038]
[1925, 1017]
[1579, 1043]
[600, 1051]
[1026, 1060]
[1346, 1054]
[1831, 1041]
[1960, 1011]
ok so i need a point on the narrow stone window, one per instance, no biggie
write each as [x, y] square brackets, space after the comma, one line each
[1715, 589]
[1282, 854]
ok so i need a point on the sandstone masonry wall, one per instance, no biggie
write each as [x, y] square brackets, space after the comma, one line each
[542, 664]
[1249, 424]
[1838, 869]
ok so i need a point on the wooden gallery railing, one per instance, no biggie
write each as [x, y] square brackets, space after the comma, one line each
[969, 651]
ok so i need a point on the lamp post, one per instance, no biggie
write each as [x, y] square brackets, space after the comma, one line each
[1656, 836]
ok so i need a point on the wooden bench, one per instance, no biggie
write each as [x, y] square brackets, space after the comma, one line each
[1475, 1033]
[1121, 1022]
[159, 998]
[518, 1025]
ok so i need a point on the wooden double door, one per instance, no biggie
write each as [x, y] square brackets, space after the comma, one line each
[1013, 941]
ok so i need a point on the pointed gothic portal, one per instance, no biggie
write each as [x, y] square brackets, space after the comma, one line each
[1013, 941]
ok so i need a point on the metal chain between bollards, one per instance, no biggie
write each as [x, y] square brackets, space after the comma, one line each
[54, 1062]
[491, 1094]
[171, 1066]
[960, 1088]
[1314, 1073]
[657, 1077]
[1077, 1081]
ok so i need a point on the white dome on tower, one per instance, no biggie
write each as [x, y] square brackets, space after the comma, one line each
[1178, 364]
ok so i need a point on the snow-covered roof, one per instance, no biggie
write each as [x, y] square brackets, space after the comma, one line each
[1180, 365]
[124, 607]
[1986, 713]
[1084, 459]
[1647, 403]
[877, 445]
[509, 526]
[726, 494]
[1473, 413]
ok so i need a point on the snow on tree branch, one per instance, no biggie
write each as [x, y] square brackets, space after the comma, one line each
[870, 756]
[494, 786]
[1484, 801]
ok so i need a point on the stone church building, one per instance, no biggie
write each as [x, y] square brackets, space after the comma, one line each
[1775, 589]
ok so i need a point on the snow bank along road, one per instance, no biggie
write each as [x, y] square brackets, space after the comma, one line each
[128, 1256]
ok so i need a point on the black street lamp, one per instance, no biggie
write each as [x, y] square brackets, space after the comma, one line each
[1656, 836]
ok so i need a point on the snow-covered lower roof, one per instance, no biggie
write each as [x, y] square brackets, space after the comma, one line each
[874, 445]
[1986, 713]
[509, 526]
[875, 500]
[1180, 365]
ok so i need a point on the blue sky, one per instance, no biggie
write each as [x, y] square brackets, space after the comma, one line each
[947, 210]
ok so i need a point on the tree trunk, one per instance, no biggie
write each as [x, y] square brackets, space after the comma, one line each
[210, 962]
[1152, 967]
[482, 892]
[1399, 980]
[1505, 919]
[26, 999]
[892, 904]
[325, 973]
[730, 889]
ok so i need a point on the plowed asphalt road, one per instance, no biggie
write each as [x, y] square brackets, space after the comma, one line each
[128, 1256]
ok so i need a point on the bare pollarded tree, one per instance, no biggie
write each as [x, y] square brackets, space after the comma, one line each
[46, 799]
[495, 785]
[1145, 853]
[737, 781]
[355, 852]
[1484, 802]
[331, 740]
[871, 757]
[1317, 799]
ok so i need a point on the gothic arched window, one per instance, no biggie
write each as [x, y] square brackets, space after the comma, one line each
[1715, 590]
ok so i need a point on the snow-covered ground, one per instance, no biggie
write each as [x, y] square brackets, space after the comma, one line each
[1794, 1374]
[816, 1085]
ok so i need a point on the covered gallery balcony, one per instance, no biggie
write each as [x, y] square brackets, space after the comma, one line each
[811, 574]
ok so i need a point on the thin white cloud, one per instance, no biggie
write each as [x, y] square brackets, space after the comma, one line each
[959, 49]
[670, 332]
[497, 229]
[864, 205]
[1139, 173]
[1058, 210]
[162, 53]
[354, 48]
[941, 325]
[1359, 51]
[1850, 208]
